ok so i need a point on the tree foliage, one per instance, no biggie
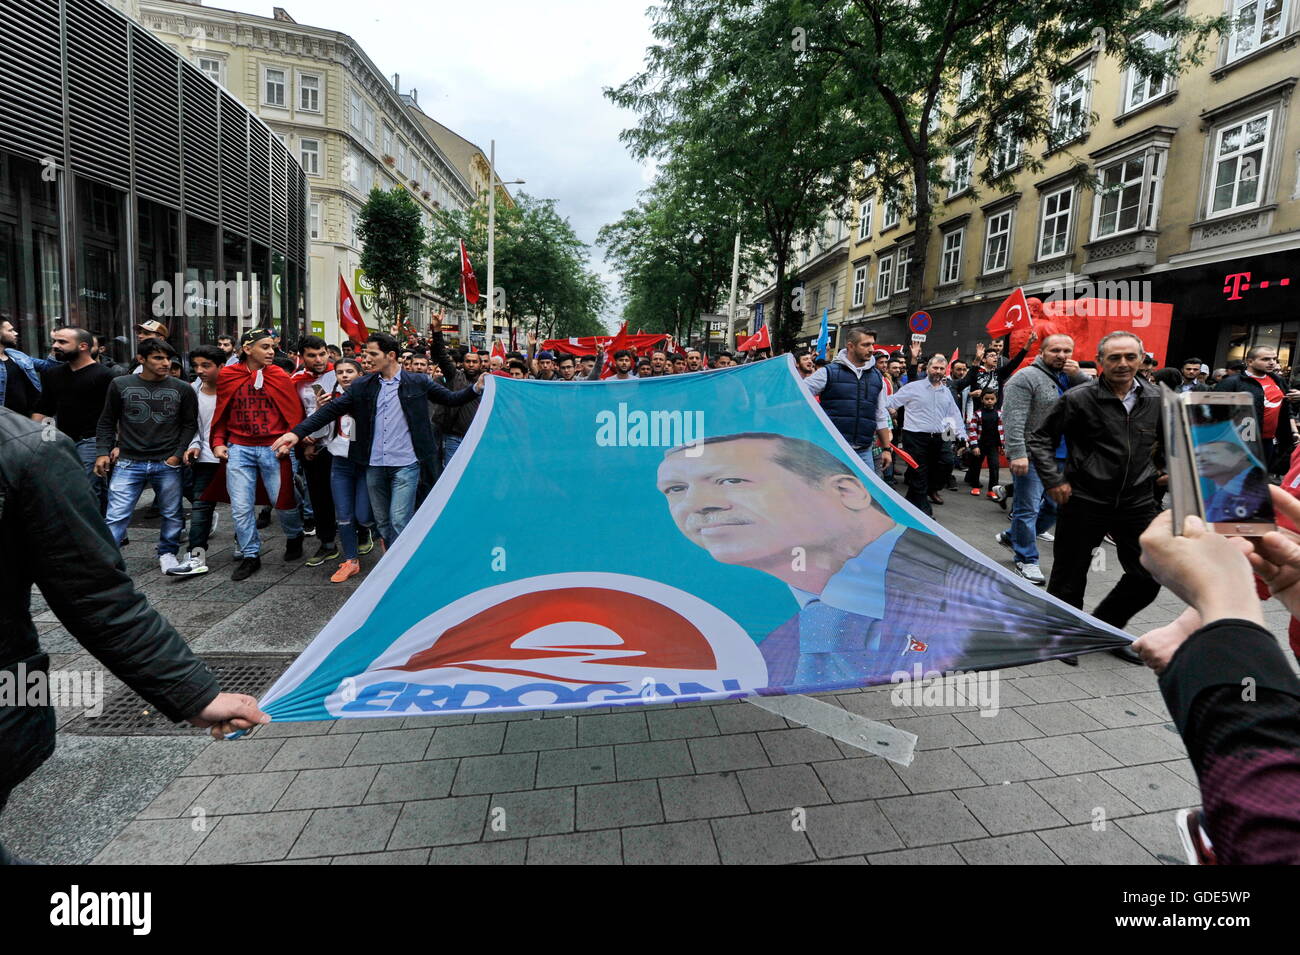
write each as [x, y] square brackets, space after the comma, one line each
[392, 244]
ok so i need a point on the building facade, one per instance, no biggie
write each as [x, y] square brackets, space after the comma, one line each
[1199, 182]
[346, 122]
[132, 188]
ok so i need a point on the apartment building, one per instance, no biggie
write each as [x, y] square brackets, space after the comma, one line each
[1199, 182]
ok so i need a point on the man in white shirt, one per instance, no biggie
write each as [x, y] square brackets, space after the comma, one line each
[207, 362]
[933, 421]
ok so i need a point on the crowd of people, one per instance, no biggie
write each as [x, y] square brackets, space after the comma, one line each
[344, 443]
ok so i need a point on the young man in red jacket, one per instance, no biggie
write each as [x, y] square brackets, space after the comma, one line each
[256, 403]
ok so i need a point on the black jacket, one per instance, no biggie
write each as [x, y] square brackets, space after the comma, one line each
[51, 535]
[361, 401]
[453, 421]
[1111, 455]
[1244, 382]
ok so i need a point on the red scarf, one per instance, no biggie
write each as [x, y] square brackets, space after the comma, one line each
[278, 385]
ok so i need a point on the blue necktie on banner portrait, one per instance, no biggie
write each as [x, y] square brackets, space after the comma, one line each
[723, 575]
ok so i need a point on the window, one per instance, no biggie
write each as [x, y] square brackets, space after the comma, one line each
[210, 66]
[1129, 194]
[950, 261]
[1019, 49]
[273, 92]
[960, 166]
[368, 123]
[1070, 107]
[309, 153]
[884, 277]
[388, 140]
[835, 295]
[1058, 212]
[358, 110]
[859, 286]
[892, 212]
[816, 301]
[401, 158]
[997, 242]
[1006, 148]
[315, 220]
[903, 271]
[1141, 88]
[309, 92]
[864, 219]
[426, 175]
[1240, 152]
[1256, 23]
[352, 228]
[966, 86]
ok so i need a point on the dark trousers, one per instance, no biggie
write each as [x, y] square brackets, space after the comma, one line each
[933, 456]
[1080, 528]
[977, 456]
[316, 472]
[201, 511]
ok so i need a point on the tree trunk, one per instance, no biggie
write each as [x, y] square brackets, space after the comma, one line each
[921, 245]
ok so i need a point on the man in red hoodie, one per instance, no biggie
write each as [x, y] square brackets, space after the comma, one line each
[256, 403]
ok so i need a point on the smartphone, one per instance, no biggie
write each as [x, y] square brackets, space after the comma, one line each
[1230, 467]
[320, 392]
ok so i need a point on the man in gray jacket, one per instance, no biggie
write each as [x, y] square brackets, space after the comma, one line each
[1028, 396]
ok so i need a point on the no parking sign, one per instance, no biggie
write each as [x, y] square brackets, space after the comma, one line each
[919, 323]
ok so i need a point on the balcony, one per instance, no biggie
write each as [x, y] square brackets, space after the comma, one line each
[1133, 250]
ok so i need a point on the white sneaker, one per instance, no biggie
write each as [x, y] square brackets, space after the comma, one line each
[190, 567]
[1047, 536]
[1031, 573]
[167, 563]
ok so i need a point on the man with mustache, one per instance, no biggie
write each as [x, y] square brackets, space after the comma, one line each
[875, 597]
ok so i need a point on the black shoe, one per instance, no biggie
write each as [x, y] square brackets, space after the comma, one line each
[309, 528]
[246, 568]
[323, 553]
[1126, 653]
[1069, 661]
[934, 497]
[264, 518]
[293, 548]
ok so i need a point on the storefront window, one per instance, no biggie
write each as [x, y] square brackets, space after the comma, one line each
[234, 264]
[156, 265]
[261, 274]
[31, 274]
[101, 279]
[206, 300]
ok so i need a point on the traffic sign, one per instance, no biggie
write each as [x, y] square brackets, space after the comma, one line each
[919, 323]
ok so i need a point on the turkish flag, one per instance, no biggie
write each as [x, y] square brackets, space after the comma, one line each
[1012, 314]
[759, 340]
[619, 342]
[468, 283]
[498, 349]
[350, 316]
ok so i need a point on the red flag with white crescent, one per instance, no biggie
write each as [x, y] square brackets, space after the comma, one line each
[1011, 315]
[468, 283]
[350, 316]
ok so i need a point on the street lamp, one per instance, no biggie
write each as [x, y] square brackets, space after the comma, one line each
[491, 323]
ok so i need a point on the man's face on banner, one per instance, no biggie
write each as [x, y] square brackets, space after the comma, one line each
[737, 503]
[1220, 461]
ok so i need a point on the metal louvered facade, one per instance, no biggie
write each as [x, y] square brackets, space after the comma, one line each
[122, 166]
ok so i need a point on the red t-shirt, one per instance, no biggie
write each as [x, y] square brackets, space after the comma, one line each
[1273, 397]
[254, 419]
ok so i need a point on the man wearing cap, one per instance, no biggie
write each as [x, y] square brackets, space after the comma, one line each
[256, 402]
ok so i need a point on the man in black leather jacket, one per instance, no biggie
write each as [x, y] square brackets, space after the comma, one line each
[51, 535]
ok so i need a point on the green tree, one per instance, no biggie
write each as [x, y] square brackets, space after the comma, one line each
[392, 243]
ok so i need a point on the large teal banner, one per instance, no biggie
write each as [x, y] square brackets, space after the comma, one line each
[688, 537]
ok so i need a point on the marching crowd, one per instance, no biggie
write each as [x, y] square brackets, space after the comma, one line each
[345, 443]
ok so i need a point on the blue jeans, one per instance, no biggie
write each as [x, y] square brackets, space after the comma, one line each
[245, 466]
[450, 443]
[1032, 513]
[351, 502]
[87, 451]
[392, 497]
[128, 481]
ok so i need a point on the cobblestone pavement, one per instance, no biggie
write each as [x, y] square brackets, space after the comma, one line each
[1080, 765]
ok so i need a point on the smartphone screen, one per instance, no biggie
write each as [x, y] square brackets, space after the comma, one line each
[1231, 468]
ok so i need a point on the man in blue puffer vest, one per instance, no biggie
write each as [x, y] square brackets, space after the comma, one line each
[853, 392]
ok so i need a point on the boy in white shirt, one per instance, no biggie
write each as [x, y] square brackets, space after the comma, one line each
[206, 360]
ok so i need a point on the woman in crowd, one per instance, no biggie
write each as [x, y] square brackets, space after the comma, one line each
[348, 483]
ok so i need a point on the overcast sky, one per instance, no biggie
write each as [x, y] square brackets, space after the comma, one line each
[537, 92]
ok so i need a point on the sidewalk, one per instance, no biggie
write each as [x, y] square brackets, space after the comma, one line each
[1080, 766]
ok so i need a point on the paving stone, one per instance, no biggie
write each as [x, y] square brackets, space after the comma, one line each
[1070, 754]
[1101, 683]
[936, 732]
[346, 830]
[760, 839]
[934, 770]
[1059, 719]
[1157, 833]
[1003, 762]
[674, 843]
[614, 728]
[1135, 745]
[929, 855]
[1078, 798]
[682, 724]
[1006, 727]
[320, 788]
[524, 735]
[1022, 848]
[1013, 807]
[153, 842]
[798, 746]
[575, 767]
[1154, 702]
[477, 739]
[1114, 712]
[745, 717]
[400, 857]
[276, 728]
[402, 782]
[699, 797]
[539, 812]
[577, 848]
[242, 793]
[233, 756]
[854, 828]
[390, 746]
[440, 822]
[782, 787]
[1183, 769]
[874, 706]
[1083, 845]
[1153, 787]
[1008, 696]
[611, 805]
[372, 724]
[176, 798]
[509, 852]
[930, 818]
[1051, 689]
[1168, 735]
[850, 780]
[260, 837]
[721, 753]
[494, 774]
[312, 752]
[653, 760]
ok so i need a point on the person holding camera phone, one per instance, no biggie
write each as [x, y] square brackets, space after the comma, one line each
[313, 381]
